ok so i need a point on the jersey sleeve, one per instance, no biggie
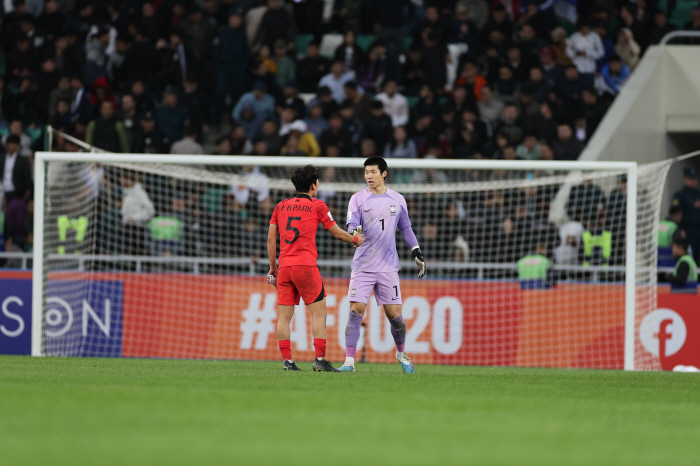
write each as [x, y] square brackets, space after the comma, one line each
[273, 219]
[324, 215]
[404, 225]
[354, 218]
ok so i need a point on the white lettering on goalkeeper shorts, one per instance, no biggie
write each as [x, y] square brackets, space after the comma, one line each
[662, 331]
[258, 321]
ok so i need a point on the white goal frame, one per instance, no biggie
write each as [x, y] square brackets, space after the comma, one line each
[630, 168]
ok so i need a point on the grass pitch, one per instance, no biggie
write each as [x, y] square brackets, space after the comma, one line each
[66, 411]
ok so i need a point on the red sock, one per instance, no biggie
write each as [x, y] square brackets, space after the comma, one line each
[320, 346]
[286, 349]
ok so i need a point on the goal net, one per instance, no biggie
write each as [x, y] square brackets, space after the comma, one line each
[546, 264]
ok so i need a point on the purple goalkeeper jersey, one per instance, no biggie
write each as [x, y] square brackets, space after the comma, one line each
[379, 216]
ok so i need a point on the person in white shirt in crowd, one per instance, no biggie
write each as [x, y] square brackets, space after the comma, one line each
[188, 144]
[584, 48]
[570, 241]
[137, 210]
[336, 79]
[395, 104]
[253, 180]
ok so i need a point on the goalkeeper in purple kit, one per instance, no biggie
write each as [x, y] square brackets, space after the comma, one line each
[377, 212]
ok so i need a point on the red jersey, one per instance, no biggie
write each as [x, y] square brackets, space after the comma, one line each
[297, 219]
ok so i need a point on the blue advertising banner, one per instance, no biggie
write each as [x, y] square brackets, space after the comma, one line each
[15, 316]
[84, 318]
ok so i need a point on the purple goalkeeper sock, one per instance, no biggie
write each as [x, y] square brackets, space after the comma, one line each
[398, 331]
[352, 334]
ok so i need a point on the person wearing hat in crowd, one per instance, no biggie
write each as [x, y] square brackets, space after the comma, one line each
[306, 141]
[171, 116]
[150, 139]
[231, 57]
[15, 170]
[253, 108]
[684, 278]
[688, 199]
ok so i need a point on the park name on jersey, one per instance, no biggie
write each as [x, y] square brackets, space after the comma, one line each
[294, 207]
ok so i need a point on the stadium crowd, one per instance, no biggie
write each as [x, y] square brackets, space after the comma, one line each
[506, 79]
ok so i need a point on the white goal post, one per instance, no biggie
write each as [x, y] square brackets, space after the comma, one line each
[636, 276]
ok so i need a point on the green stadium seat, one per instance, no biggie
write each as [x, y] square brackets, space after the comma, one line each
[364, 41]
[681, 14]
[412, 100]
[302, 43]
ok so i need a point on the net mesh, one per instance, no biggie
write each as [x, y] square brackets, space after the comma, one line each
[525, 268]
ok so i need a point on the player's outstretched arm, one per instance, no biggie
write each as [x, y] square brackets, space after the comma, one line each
[339, 233]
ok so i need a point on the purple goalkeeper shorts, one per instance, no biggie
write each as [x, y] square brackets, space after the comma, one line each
[385, 285]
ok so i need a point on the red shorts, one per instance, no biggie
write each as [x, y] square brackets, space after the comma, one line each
[299, 280]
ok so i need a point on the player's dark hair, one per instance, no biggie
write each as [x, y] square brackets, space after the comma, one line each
[378, 161]
[682, 243]
[304, 177]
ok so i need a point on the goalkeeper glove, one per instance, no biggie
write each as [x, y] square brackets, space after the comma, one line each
[420, 261]
[272, 280]
[356, 232]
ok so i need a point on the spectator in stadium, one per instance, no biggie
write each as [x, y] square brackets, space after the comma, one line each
[506, 86]
[188, 144]
[570, 241]
[559, 45]
[478, 11]
[535, 270]
[351, 124]
[616, 219]
[286, 67]
[81, 108]
[529, 149]
[592, 108]
[684, 278]
[472, 81]
[253, 108]
[16, 170]
[291, 148]
[585, 202]
[312, 68]
[553, 71]
[378, 125]
[231, 55]
[395, 104]
[349, 52]
[171, 116]
[584, 48]
[315, 121]
[307, 141]
[197, 33]
[271, 137]
[626, 47]
[571, 87]
[511, 125]
[413, 70]
[615, 74]
[435, 56]
[336, 79]
[400, 146]
[149, 139]
[337, 136]
[290, 98]
[688, 199]
[136, 211]
[490, 108]
[540, 88]
[361, 102]
[669, 230]
[277, 24]
[107, 132]
[566, 146]
[25, 143]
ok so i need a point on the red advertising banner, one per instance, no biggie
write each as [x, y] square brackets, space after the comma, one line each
[448, 321]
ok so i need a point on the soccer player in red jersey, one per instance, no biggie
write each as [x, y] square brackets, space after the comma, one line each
[296, 221]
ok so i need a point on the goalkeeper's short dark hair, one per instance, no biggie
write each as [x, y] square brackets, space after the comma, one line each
[304, 177]
[378, 161]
